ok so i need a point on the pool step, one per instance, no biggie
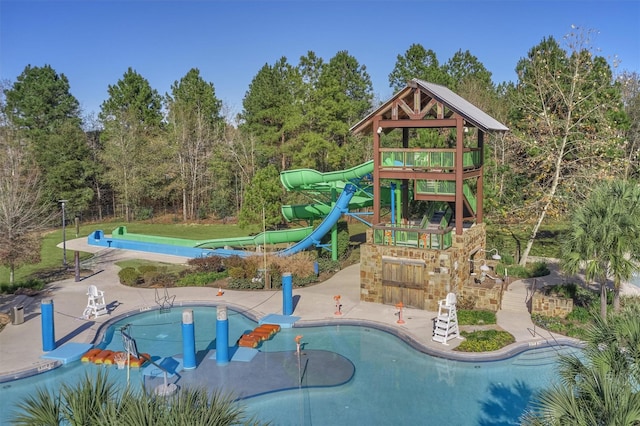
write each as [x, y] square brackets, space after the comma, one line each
[542, 356]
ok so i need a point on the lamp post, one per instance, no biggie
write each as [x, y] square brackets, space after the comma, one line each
[64, 237]
[495, 256]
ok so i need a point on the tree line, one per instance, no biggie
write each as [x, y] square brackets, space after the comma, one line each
[573, 118]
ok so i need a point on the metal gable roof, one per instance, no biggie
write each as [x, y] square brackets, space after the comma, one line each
[456, 103]
[463, 107]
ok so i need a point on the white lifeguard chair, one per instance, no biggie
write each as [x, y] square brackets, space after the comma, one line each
[446, 325]
[96, 305]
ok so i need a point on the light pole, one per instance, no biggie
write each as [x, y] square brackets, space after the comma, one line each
[64, 239]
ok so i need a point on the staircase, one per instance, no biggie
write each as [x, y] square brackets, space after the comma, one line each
[515, 298]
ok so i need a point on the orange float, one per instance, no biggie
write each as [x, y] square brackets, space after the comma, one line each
[138, 362]
[99, 359]
[260, 333]
[90, 354]
[110, 360]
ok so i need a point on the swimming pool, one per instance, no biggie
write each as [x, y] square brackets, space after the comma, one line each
[392, 384]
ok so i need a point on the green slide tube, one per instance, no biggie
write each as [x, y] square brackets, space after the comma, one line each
[306, 178]
[269, 237]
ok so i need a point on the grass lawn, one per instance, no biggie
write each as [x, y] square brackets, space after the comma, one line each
[51, 256]
[50, 265]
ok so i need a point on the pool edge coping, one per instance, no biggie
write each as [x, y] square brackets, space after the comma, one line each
[507, 352]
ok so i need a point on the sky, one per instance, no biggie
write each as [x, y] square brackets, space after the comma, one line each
[94, 42]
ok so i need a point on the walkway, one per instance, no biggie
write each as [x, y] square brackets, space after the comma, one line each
[21, 345]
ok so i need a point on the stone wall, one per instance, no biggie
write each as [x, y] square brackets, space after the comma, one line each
[551, 306]
[486, 298]
[444, 270]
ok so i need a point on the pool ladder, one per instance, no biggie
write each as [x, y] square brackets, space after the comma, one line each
[165, 301]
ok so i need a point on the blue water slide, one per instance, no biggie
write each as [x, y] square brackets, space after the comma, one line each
[341, 207]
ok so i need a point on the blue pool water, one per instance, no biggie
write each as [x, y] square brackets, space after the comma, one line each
[635, 280]
[393, 383]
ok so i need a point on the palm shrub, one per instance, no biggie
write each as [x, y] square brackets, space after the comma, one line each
[97, 401]
[79, 404]
[604, 238]
[602, 385]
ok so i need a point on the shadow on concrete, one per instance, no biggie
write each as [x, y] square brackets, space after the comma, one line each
[85, 326]
[296, 300]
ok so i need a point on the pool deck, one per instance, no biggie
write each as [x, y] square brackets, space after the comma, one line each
[21, 347]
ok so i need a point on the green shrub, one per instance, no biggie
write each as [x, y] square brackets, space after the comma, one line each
[562, 290]
[538, 269]
[129, 276]
[143, 269]
[553, 324]
[580, 314]
[343, 242]
[304, 281]
[585, 298]
[325, 264]
[473, 317]
[484, 341]
[244, 284]
[30, 284]
[200, 279]
[532, 270]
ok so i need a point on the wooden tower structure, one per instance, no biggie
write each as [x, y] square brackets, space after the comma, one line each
[449, 173]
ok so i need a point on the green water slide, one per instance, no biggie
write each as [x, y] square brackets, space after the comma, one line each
[319, 210]
[315, 181]
[309, 180]
[269, 237]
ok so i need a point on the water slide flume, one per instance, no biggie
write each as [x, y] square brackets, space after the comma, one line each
[315, 181]
[269, 237]
[341, 207]
[308, 179]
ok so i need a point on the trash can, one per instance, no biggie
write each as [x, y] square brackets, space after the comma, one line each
[17, 315]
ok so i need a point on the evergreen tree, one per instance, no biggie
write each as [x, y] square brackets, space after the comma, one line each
[194, 126]
[134, 155]
[346, 95]
[417, 62]
[42, 107]
[269, 108]
[263, 199]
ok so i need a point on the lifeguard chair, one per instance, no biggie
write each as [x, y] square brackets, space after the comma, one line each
[446, 326]
[96, 305]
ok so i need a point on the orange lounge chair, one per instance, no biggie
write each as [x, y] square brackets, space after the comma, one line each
[138, 362]
[267, 331]
[249, 341]
[274, 327]
[99, 359]
[90, 354]
[264, 335]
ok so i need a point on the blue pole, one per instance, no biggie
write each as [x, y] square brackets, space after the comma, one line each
[48, 328]
[188, 340]
[393, 203]
[316, 268]
[222, 336]
[287, 294]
